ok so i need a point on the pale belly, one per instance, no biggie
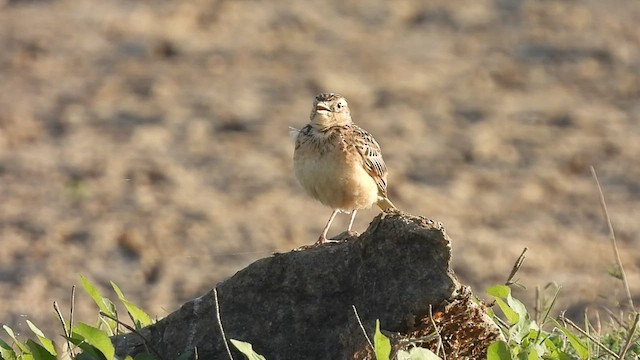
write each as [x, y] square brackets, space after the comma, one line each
[336, 183]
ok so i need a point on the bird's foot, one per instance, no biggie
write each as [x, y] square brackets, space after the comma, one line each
[323, 240]
[342, 237]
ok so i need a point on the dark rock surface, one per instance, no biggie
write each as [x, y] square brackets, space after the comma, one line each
[298, 305]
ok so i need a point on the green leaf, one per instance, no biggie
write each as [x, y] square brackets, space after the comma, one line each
[46, 342]
[20, 345]
[381, 344]
[512, 316]
[247, 350]
[6, 351]
[517, 306]
[513, 309]
[138, 316]
[560, 355]
[96, 338]
[105, 305]
[499, 350]
[90, 289]
[89, 352]
[577, 344]
[501, 291]
[530, 355]
[39, 352]
[417, 353]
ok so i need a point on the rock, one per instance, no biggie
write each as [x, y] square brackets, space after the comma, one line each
[298, 305]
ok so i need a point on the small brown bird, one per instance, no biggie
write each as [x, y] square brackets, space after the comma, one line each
[339, 163]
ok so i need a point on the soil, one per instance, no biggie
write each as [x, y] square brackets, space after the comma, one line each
[146, 143]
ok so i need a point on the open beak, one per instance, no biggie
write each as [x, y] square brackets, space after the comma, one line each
[322, 107]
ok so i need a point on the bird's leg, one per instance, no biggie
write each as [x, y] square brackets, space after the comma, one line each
[323, 236]
[353, 217]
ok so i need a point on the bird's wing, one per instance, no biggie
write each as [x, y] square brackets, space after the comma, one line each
[372, 158]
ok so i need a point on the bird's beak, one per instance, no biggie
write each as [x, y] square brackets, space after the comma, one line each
[322, 107]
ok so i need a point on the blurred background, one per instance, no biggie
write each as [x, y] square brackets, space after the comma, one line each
[146, 142]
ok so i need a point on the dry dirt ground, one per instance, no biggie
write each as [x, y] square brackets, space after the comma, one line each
[146, 142]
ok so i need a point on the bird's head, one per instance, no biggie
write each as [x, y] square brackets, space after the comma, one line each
[330, 109]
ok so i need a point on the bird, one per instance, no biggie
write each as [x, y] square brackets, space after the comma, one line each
[337, 162]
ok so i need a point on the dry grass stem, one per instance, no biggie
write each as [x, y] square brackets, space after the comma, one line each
[516, 267]
[614, 244]
[355, 311]
[586, 334]
[632, 331]
[67, 333]
[224, 337]
[440, 343]
[72, 307]
[547, 311]
[514, 270]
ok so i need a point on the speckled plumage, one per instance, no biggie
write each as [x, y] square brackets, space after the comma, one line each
[337, 162]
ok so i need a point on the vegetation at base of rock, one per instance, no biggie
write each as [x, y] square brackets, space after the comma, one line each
[524, 337]
[553, 338]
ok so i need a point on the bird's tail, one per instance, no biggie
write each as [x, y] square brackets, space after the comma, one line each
[385, 204]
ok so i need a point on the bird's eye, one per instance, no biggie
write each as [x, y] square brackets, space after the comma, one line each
[340, 105]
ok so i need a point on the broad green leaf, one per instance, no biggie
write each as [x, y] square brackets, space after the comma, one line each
[512, 316]
[6, 351]
[417, 353]
[381, 344]
[39, 352]
[560, 355]
[501, 291]
[535, 335]
[540, 349]
[521, 330]
[20, 345]
[96, 338]
[138, 316]
[513, 309]
[46, 342]
[549, 344]
[105, 305]
[499, 350]
[89, 352]
[90, 289]
[517, 306]
[533, 355]
[247, 350]
[577, 344]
